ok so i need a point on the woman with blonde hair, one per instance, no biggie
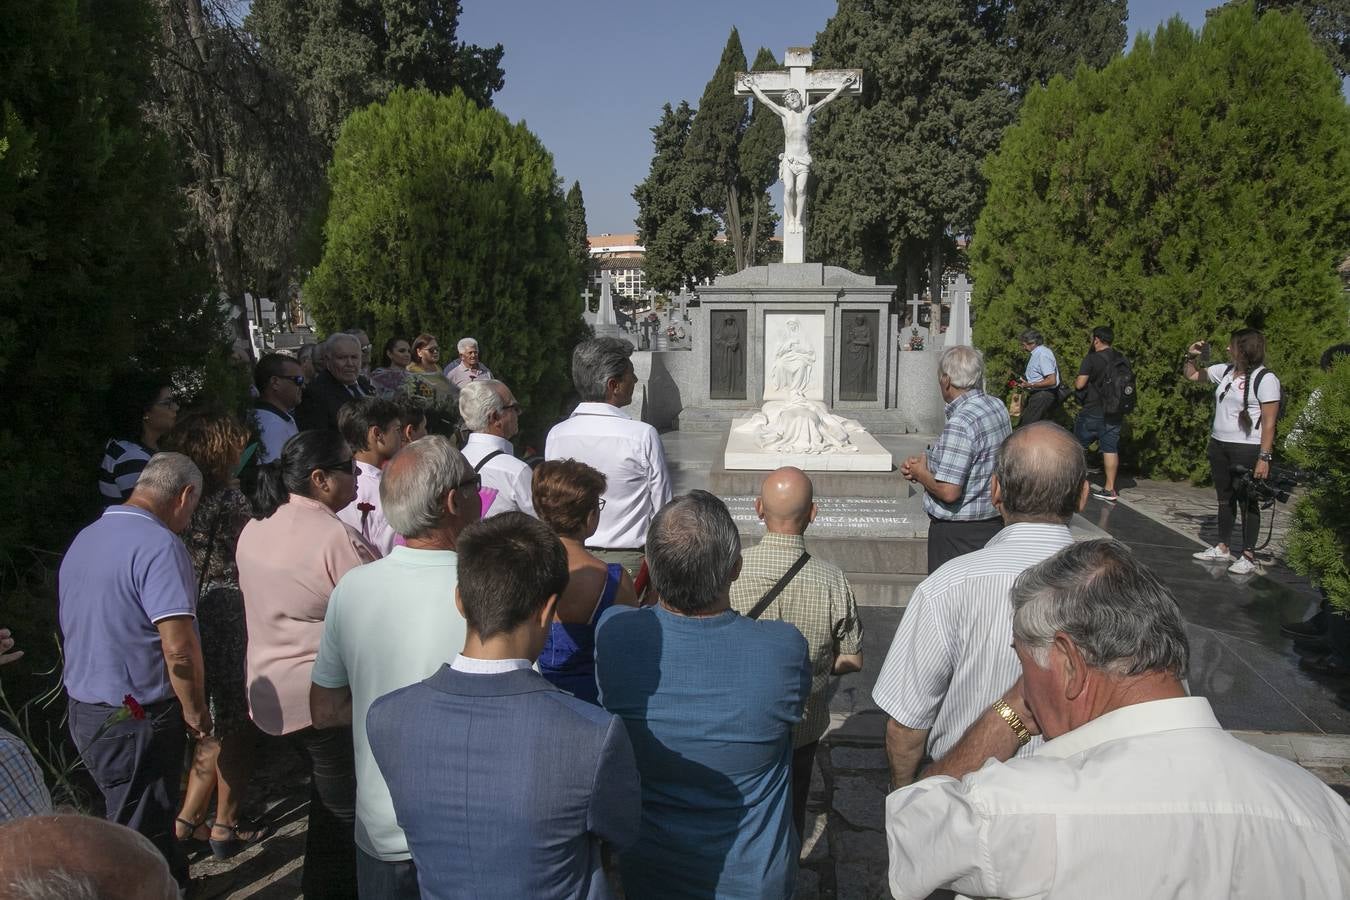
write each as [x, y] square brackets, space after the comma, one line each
[223, 762]
[568, 498]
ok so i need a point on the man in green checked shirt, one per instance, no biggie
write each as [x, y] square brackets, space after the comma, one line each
[817, 599]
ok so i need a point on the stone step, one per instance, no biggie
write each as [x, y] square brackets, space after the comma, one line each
[872, 589]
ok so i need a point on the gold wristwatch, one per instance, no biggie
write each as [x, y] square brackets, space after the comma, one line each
[1014, 721]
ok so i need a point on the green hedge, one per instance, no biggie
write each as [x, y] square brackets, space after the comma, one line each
[1319, 538]
[1198, 184]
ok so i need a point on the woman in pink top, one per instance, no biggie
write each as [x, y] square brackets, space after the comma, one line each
[289, 559]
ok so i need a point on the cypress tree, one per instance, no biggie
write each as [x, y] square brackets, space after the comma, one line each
[678, 239]
[713, 149]
[1199, 184]
[577, 235]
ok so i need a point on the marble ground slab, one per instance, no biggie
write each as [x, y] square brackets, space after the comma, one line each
[744, 453]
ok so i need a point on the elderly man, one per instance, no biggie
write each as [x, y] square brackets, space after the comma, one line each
[363, 340]
[338, 383]
[955, 471]
[390, 624]
[75, 857]
[506, 785]
[467, 369]
[953, 649]
[710, 698]
[280, 386]
[628, 452]
[1041, 379]
[128, 605]
[780, 580]
[1137, 791]
[491, 413]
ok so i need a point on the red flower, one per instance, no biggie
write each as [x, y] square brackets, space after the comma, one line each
[1012, 382]
[366, 507]
[134, 708]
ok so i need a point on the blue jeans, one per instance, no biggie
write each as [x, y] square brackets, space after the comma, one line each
[377, 879]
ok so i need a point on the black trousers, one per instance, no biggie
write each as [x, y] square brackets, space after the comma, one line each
[803, 762]
[948, 539]
[330, 842]
[1040, 405]
[138, 767]
[1223, 456]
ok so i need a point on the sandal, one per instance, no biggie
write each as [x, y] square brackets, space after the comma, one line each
[193, 828]
[234, 845]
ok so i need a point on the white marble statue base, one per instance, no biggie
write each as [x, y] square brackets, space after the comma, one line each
[743, 452]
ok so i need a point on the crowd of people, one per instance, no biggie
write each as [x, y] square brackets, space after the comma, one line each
[515, 680]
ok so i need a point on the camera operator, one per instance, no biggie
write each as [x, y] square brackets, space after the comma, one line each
[1246, 404]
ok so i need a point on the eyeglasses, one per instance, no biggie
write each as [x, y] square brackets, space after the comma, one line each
[297, 380]
[512, 407]
[365, 348]
[601, 505]
[167, 401]
[432, 349]
[475, 481]
[347, 467]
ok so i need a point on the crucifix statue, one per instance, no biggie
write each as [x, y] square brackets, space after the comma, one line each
[586, 300]
[795, 88]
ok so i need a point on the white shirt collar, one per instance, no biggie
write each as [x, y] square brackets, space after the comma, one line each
[1130, 721]
[369, 469]
[598, 409]
[490, 441]
[463, 663]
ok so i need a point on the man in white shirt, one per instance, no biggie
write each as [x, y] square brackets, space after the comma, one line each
[629, 453]
[1137, 791]
[952, 653]
[491, 412]
[390, 624]
[280, 385]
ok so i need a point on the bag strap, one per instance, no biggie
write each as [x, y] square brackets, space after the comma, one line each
[777, 589]
[485, 460]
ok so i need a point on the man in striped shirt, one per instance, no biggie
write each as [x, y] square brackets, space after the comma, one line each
[952, 654]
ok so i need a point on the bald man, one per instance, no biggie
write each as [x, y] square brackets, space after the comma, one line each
[70, 855]
[816, 598]
[952, 655]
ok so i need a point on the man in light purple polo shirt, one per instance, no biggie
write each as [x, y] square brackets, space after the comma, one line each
[128, 599]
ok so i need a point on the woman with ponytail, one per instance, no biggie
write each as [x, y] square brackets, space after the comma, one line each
[1246, 406]
[290, 557]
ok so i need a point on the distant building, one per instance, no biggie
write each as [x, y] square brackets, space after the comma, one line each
[623, 257]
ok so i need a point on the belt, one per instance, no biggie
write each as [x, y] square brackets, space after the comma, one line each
[618, 549]
[933, 518]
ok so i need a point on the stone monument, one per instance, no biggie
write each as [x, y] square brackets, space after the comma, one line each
[606, 323]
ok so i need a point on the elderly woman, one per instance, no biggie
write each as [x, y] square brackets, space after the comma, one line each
[223, 762]
[388, 379]
[146, 410]
[567, 498]
[290, 557]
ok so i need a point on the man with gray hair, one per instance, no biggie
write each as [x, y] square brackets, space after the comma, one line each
[626, 451]
[337, 384]
[392, 623]
[955, 471]
[710, 699]
[128, 607]
[1137, 790]
[74, 857]
[953, 649]
[491, 413]
[1040, 380]
[467, 369]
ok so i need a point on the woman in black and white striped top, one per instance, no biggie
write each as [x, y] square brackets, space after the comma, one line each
[149, 411]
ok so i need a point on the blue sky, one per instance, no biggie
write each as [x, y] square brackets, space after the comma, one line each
[589, 76]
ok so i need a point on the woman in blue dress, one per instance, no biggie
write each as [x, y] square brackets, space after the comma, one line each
[567, 497]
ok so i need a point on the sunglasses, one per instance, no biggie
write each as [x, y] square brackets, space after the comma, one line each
[516, 407]
[347, 467]
[601, 505]
[475, 481]
[297, 380]
[166, 402]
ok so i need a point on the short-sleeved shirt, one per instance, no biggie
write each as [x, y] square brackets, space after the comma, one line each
[389, 624]
[964, 454]
[122, 575]
[22, 790]
[459, 374]
[509, 479]
[289, 564]
[121, 468]
[818, 601]
[1041, 365]
[952, 655]
[710, 703]
[1229, 388]
[369, 523]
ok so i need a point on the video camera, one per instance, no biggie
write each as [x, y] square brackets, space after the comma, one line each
[1276, 486]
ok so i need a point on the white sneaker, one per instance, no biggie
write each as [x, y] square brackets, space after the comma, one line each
[1243, 566]
[1213, 554]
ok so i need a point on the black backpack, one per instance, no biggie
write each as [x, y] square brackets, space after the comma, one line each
[1117, 388]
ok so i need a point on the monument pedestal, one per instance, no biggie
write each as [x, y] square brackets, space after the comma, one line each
[743, 452]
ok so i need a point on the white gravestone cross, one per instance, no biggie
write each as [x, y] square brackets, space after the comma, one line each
[606, 316]
[795, 87]
[586, 300]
